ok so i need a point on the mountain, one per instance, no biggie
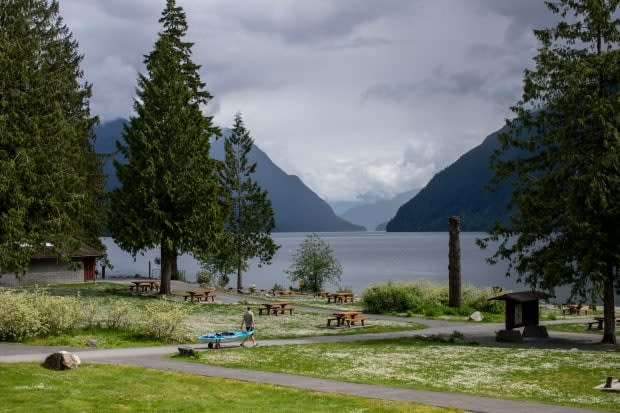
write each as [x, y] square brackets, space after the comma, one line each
[458, 190]
[297, 208]
[374, 214]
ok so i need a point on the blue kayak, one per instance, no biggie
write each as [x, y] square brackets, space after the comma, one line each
[217, 338]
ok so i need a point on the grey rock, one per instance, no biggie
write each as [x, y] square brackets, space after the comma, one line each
[187, 351]
[62, 360]
[476, 316]
[91, 342]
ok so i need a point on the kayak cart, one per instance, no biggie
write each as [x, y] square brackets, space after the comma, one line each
[215, 339]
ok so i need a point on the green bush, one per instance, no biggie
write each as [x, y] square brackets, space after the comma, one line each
[164, 320]
[29, 314]
[120, 315]
[388, 298]
[19, 317]
[59, 314]
[427, 298]
[204, 278]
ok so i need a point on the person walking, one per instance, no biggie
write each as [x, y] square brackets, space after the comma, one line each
[248, 322]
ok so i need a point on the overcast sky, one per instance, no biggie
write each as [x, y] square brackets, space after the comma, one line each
[353, 96]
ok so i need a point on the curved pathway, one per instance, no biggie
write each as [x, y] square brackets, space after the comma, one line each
[152, 357]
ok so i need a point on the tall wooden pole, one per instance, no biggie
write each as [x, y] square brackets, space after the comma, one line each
[454, 263]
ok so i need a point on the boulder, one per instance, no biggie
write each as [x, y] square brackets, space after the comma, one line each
[476, 316]
[62, 360]
[187, 351]
[91, 342]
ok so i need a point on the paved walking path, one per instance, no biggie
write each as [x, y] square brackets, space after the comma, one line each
[152, 357]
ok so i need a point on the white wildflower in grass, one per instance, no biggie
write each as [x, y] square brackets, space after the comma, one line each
[214, 318]
[552, 376]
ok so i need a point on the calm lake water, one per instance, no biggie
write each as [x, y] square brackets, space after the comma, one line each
[366, 258]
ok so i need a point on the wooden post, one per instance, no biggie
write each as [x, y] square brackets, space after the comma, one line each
[454, 263]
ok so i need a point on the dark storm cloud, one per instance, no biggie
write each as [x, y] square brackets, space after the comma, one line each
[299, 69]
[359, 42]
[320, 20]
[525, 15]
[395, 92]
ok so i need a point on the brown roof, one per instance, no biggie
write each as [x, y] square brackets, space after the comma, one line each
[523, 296]
[83, 252]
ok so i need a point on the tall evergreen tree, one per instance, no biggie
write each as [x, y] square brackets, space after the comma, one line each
[251, 219]
[170, 192]
[51, 182]
[565, 228]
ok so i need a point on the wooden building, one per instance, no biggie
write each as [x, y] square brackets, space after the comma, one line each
[44, 269]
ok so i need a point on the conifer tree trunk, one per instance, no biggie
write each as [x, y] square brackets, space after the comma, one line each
[609, 310]
[454, 263]
[168, 261]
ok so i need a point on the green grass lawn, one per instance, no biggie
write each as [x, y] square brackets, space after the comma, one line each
[553, 376]
[203, 318]
[577, 328]
[28, 387]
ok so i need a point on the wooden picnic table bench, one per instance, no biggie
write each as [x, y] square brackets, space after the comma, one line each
[575, 309]
[346, 317]
[340, 297]
[276, 308]
[199, 294]
[599, 321]
[144, 285]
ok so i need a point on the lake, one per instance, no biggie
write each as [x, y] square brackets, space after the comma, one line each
[366, 258]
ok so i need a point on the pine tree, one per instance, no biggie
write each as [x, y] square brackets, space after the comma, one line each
[250, 219]
[170, 193]
[565, 230]
[51, 183]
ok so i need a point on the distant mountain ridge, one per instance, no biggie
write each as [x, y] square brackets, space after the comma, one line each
[373, 215]
[296, 207]
[459, 190]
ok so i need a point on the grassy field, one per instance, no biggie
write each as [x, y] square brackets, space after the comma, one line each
[553, 376]
[202, 318]
[577, 328]
[27, 387]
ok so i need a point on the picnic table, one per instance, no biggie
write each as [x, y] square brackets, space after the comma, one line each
[144, 285]
[199, 294]
[346, 317]
[339, 297]
[276, 308]
[575, 309]
[599, 321]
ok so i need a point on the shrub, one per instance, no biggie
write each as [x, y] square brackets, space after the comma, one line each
[120, 315]
[277, 287]
[19, 318]
[204, 278]
[164, 320]
[387, 298]
[428, 298]
[90, 311]
[59, 314]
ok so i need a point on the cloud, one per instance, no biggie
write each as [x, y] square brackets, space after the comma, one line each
[354, 96]
[303, 22]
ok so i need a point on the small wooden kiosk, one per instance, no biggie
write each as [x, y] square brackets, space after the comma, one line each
[522, 311]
